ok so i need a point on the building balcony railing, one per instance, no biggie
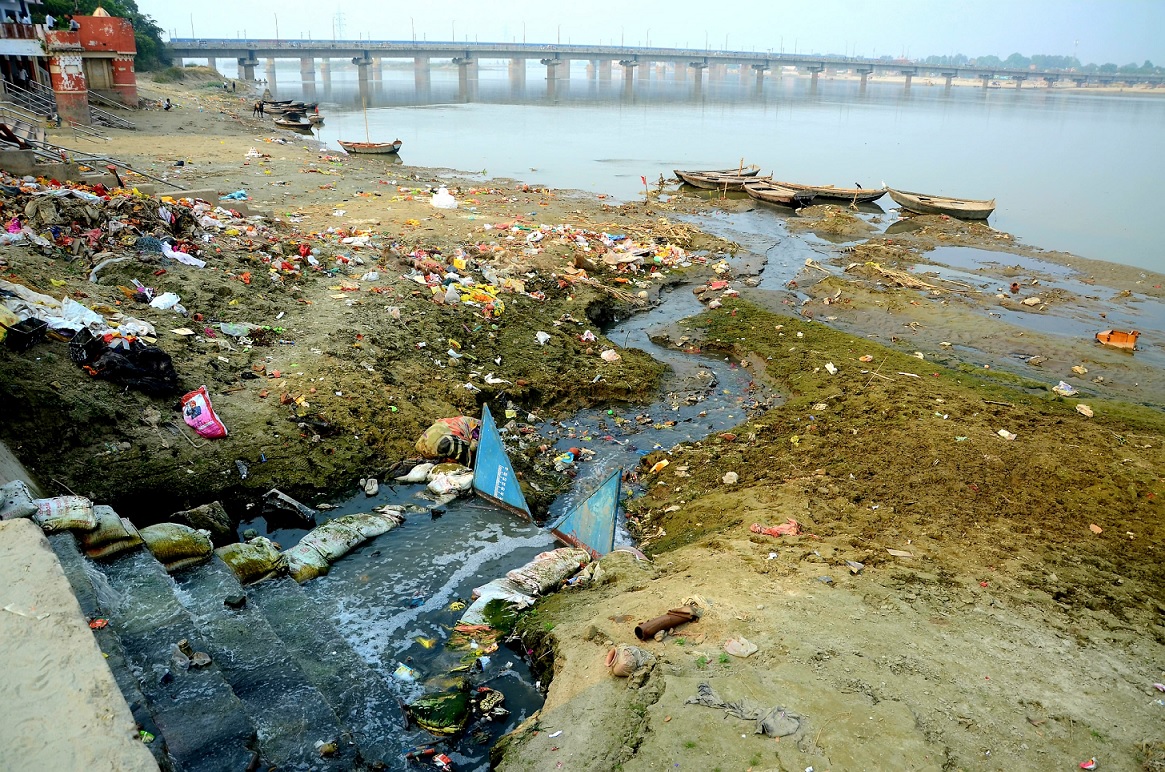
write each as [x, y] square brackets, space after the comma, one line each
[19, 31]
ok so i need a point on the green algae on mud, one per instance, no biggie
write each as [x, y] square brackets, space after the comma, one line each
[899, 448]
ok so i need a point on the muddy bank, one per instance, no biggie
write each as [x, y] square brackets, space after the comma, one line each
[352, 361]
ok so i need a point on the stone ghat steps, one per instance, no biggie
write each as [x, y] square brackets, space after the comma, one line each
[281, 675]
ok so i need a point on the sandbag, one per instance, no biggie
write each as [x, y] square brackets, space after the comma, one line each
[304, 562]
[418, 474]
[334, 539]
[499, 589]
[253, 561]
[112, 536]
[371, 524]
[16, 501]
[448, 468]
[65, 513]
[177, 546]
[451, 483]
[549, 569]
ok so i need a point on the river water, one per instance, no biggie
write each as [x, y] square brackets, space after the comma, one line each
[1069, 171]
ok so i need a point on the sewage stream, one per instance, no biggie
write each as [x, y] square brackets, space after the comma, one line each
[393, 599]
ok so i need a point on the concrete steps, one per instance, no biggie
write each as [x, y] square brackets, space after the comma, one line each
[281, 678]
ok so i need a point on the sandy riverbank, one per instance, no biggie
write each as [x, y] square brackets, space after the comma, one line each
[1014, 637]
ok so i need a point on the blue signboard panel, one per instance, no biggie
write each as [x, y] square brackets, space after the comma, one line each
[591, 525]
[493, 476]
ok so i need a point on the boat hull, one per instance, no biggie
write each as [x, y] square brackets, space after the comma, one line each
[303, 128]
[371, 148]
[830, 193]
[959, 208]
[776, 194]
[718, 179]
[1119, 339]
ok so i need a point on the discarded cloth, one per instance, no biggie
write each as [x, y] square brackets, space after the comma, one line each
[790, 528]
[773, 722]
[452, 438]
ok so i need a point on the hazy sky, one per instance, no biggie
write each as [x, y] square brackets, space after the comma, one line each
[1119, 31]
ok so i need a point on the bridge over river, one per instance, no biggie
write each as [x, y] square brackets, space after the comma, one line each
[680, 63]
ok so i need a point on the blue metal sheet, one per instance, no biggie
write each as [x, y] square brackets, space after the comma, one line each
[493, 476]
[591, 525]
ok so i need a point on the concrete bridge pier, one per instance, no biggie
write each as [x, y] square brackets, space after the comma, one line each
[1080, 82]
[551, 66]
[949, 78]
[307, 69]
[377, 71]
[178, 61]
[247, 70]
[466, 78]
[865, 73]
[212, 63]
[422, 75]
[644, 71]
[986, 80]
[680, 71]
[517, 75]
[1019, 79]
[326, 72]
[814, 71]
[698, 71]
[1051, 80]
[628, 66]
[605, 67]
[269, 73]
[909, 77]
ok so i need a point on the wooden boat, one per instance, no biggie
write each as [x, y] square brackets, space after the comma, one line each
[961, 208]
[830, 193]
[1119, 339]
[717, 179]
[772, 193]
[301, 126]
[371, 148]
[315, 118]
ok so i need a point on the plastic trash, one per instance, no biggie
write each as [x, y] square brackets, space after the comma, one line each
[200, 416]
[418, 474]
[238, 195]
[442, 199]
[610, 355]
[165, 301]
[182, 257]
[542, 337]
[406, 674]
[740, 647]
[1065, 389]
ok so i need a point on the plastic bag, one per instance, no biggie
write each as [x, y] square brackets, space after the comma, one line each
[451, 483]
[199, 415]
[442, 199]
[165, 301]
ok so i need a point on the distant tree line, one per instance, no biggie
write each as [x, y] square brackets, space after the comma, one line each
[152, 53]
[1018, 61]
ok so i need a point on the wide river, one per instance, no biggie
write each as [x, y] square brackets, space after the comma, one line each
[1069, 171]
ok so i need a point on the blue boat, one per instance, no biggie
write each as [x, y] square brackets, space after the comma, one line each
[591, 525]
[493, 475]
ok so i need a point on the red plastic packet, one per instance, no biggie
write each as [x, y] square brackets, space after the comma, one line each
[199, 415]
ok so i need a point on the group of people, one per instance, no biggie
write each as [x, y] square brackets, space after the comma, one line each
[50, 21]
